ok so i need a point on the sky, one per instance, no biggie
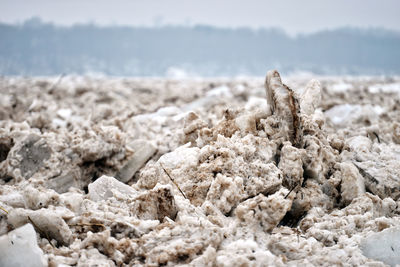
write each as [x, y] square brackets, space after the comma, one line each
[293, 16]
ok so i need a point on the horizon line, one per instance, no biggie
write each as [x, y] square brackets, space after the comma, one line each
[40, 21]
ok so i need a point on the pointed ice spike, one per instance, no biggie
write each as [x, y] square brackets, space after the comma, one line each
[284, 104]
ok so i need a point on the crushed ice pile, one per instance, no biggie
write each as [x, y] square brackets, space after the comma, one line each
[241, 172]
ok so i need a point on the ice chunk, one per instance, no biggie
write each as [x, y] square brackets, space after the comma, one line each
[340, 87]
[265, 211]
[345, 114]
[341, 114]
[155, 204]
[183, 155]
[291, 166]
[384, 88]
[255, 103]
[225, 192]
[144, 150]
[311, 97]
[14, 199]
[47, 221]
[105, 186]
[59, 123]
[64, 113]
[359, 144]
[283, 102]
[221, 91]
[246, 252]
[33, 152]
[352, 182]
[19, 248]
[383, 246]
[381, 170]
[63, 183]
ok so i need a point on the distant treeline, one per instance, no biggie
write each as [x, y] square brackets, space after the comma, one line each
[37, 48]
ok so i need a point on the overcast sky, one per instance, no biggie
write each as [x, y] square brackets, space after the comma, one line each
[294, 16]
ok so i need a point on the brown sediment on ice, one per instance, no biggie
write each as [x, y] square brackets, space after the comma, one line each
[155, 172]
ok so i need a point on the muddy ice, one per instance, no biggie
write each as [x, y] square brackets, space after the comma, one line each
[217, 172]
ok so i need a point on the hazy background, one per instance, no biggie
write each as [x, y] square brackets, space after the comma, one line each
[204, 38]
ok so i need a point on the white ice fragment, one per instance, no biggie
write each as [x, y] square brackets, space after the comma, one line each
[63, 183]
[72, 200]
[378, 110]
[34, 105]
[50, 223]
[225, 192]
[239, 89]
[384, 88]
[381, 170]
[199, 103]
[211, 98]
[180, 116]
[58, 123]
[311, 97]
[342, 115]
[359, 144]
[220, 91]
[14, 199]
[19, 248]
[64, 113]
[168, 111]
[246, 123]
[160, 116]
[255, 103]
[352, 182]
[246, 252]
[206, 259]
[183, 155]
[318, 117]
[105, 186]
[340, 87]
[383, 246]
[291, 165]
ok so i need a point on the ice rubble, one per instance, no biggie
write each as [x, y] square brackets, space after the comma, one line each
[162, 172]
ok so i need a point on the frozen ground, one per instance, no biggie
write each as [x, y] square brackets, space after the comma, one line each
[114, 172]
